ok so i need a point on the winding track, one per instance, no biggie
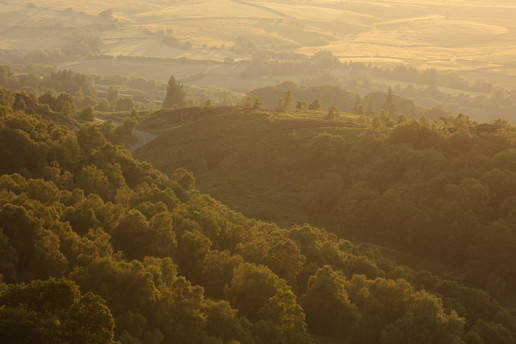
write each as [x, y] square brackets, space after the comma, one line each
[143, 138]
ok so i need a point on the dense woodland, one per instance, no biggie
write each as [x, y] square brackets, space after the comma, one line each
[99, 247]
[345, 198]
[443, 190]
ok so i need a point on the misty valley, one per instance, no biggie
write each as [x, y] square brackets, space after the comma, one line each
[257, 172]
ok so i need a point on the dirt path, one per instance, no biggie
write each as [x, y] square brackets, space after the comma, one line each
[143, 138]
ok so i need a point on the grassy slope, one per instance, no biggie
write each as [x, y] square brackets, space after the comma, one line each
[254, 161]
[245, 158]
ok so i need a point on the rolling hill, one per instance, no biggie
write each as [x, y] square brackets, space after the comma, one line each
[432, 189]
[244, 157]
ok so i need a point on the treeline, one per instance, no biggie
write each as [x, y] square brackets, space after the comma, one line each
[62, 110]
[134, 82]
[413, 102]
[81, 87]
[44, 80]
[267, 62]
[429, 87]
[341, 98]
[106, 92]
[175, 266]
[496, 104]
[432, 77]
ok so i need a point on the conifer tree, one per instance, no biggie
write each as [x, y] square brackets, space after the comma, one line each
[175, 94]
[390, 102]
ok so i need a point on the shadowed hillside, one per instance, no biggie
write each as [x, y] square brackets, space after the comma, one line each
[434, 189]
[244, 157]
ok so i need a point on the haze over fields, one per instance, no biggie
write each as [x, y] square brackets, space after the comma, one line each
[477, 37]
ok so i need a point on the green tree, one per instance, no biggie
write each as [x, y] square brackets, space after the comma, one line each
[37, 248]
[251, 287]
[53, 312]
[315, 105]
[19, 104]
[283, 311]
[125, 104]
[287, 100]
[102, 105]
[247, 102]
[285, 260]
[360, 109]
[192, 249]
[184, 178]
[333, 113]
[113, 94]
[139, 238]
[257, 104]
[152, 102]
[217, 271]
[7, 77]
[90, 137]
[424, 322]
[224, 323]
[327, 305]
[175, 95]
[390, 102]
[65, 104]
[87, 114]
[49, 99]
[325, 59]
[489, 332]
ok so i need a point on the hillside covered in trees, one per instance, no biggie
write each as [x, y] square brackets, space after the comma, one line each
[333, 172]
[442, 190]
[99, 247]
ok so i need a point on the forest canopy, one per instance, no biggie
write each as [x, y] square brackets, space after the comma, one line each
[258, 172]
[156, 261]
